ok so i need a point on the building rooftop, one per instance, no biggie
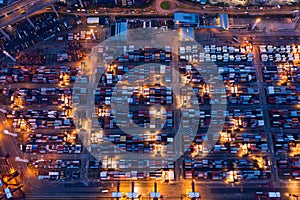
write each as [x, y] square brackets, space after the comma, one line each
[186, 18]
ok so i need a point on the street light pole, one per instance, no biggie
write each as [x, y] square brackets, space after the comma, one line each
[155, 190]
[132, 189]
[255, 24]
[193, 189]
[118, 188]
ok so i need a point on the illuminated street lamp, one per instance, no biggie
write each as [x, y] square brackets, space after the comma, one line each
[132, 195]
[194, 195]
[294, 195]
[117, 194]
[8, 55]
[255, 24]
[155, 195]
[93, 34]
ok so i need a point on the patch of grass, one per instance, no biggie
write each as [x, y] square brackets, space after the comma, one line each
[166, 5]
[213, 1]
[184, 7]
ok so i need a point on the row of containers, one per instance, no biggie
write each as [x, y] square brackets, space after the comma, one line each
[280, 54]
[41, 96]
[283, 95]
[51, 148]
[38, 74]
[232, 170]
[285, 118]
[113, 169]
[282, 74]
[215, 53]
[245, 118]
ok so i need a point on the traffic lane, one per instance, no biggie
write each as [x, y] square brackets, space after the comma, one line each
[250, 33]
[247, 188]
[69, 191]
[12, 4]
[22, 6]
[72, 190]
[9, 145]
[125, 186]
[280, 37]
[193, 9]
[238, 9]
[8, 142]
[33, 8]
[15, 5]
[19, 15]
[226, 40]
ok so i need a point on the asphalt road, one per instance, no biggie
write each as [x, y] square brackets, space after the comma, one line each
[21, 9]
[212, 191]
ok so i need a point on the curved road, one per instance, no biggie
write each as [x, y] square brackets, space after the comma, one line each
[193, 8]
